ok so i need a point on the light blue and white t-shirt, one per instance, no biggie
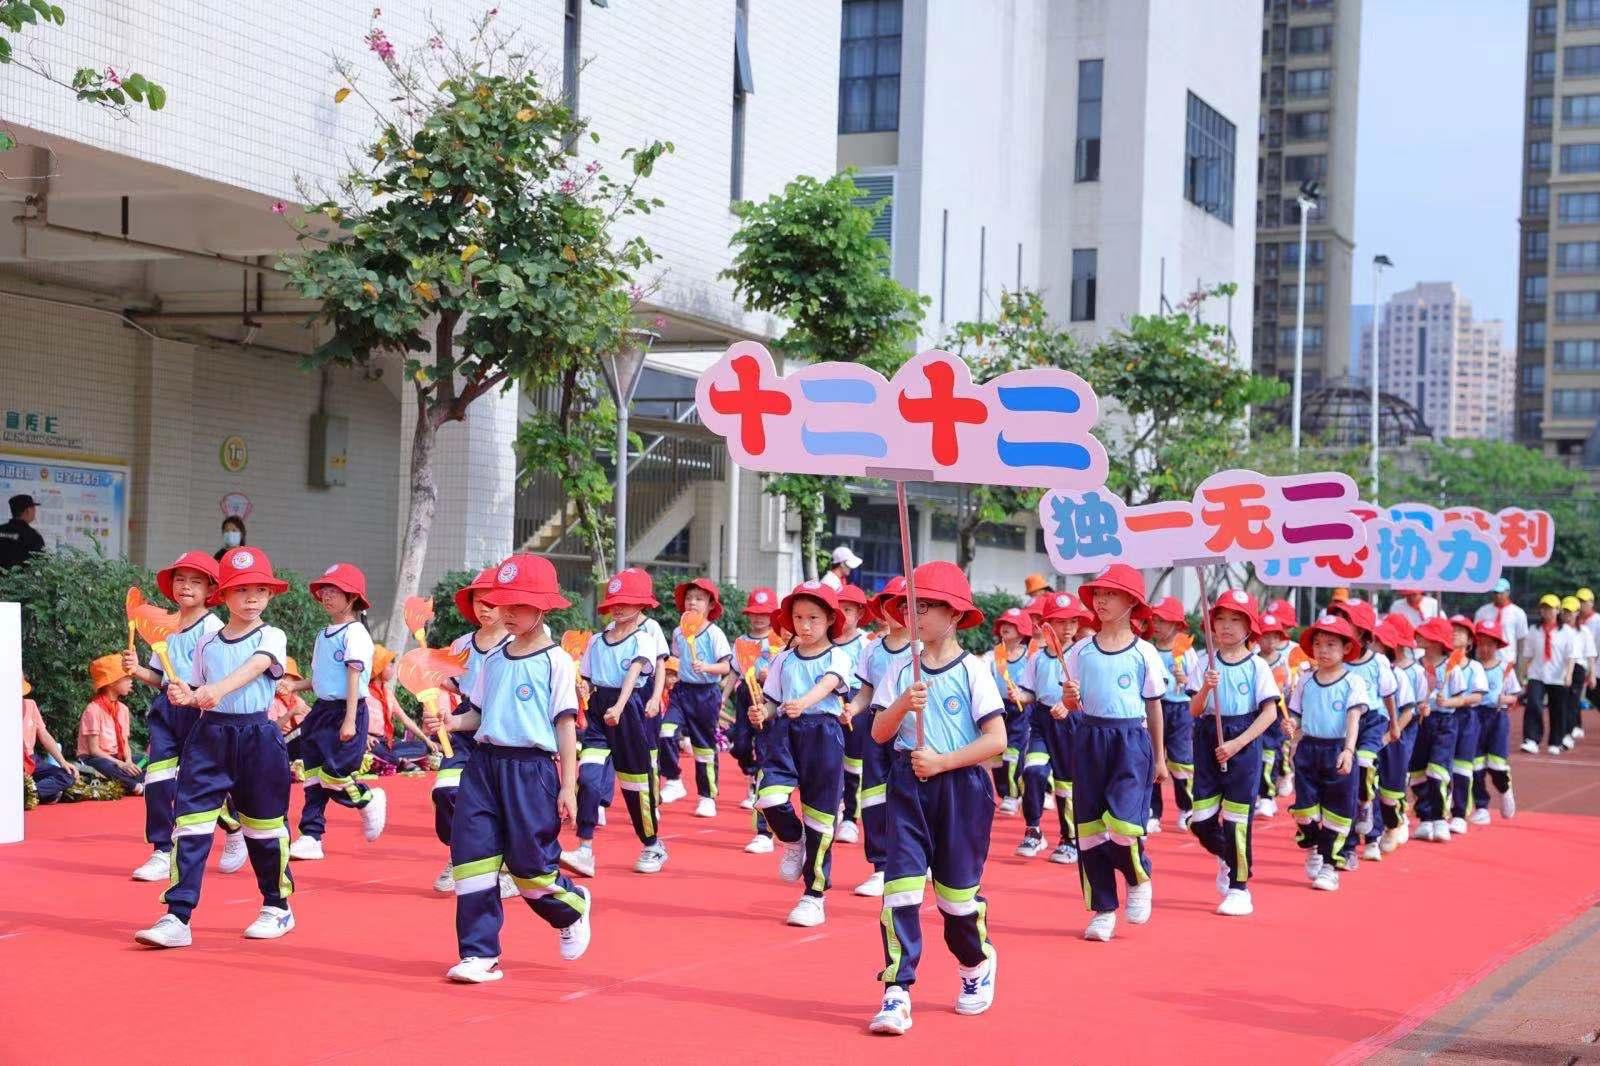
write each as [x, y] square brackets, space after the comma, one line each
[1322, 707]
[1018, 668]
[1243, 688]
[792, 675]
[1190, 662]
[1047, 679]
[710, 646]
[1116, 684]
[961, 696]
[522, 697]
[606, 660]
[1464, 679]
[1404, 695]
[216, 657]
[1378, 674]
[182, 645]
[468, 642]
[338, 648]
[878, 664]
[854, 649]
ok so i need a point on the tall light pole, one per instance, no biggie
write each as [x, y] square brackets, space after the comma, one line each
[622, 369]
[1378, 263]
[1307, 200]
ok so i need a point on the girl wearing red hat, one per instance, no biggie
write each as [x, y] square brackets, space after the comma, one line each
[941, 803]
[1494, 725]
[1117, 749]
[697, 701]
[334, 735]
[759, 607]
[1012, 666]
[188, 582]
[1391, 639]
[880, 663]
[1277, 769]
[1049, 761]
[1167, 623]
[1375, 724]
[853, 607]
[234, 749]
[1227, 767]
[802, 744]
[1462, 762]
[478, 645]
[522, 780]
[1408, 662]
[624, 664]
[1328, 704]
[1450, 689]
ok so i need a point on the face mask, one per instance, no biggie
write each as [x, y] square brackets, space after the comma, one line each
[232, 538]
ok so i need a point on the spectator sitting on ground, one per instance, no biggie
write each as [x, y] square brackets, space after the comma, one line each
[103, 741]
[50, 779]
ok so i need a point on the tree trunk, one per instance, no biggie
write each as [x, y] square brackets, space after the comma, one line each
[809, 521]
[419, 522]
[966, 545]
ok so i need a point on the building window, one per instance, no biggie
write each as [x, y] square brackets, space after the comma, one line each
[744, 83]
[1580, 158]
[1310, 40]
[1536, 200]
[1308, 125]
[1539, 110]
[1544, 20]
[1570, 355]
[1208, 160]
[1091, 89]
[1083, 284]
[869, 67]
[1534, 288]
[1579, 207]
[1544, 65]
[1533, 336]
[878, 189]
[1581, 60]
[1313, 338]
[1304, 83]
[1532, 375]
[1581, 110]
[1530, 425]
[1578, 257]
[1581, 14]
[1316, 294]
[1297, 168]
[1538, 155]
[1317, 212]
[1578, 306]
[1316, 254]
[1574, 403]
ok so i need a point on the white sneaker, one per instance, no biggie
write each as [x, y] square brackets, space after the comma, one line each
[474, 971]
[1424, 830]
[1101, 927]
[1032, 844]
[1530, 748]
[600, 817]
[1390, 840]
[749, 801]
[169, 932]
[1285, 786]
[508, 887]
[305, 849]
[1237, 903]
[1373, 852]
[1555, 749]
[759, 845]
[1403, 833]
[1152, 827]
[672, 792]
[651, 859]
[1224, 878]
[1267, 808]
[234, 852]
[1327, 880]
[158, 867]
[1363, 824]
[872, 886]
[706, 808]
[1568, 742]
[446, 881]
[894, 1015]
[792, 861]
[580, 860]
[270, 924]
[1352, 861]
[847, 834]
[808, 912]
[1065, 854]
[977, 987]
[1010, 805]
[1185, 819]
[1508, 805]
[1458, 826]
[1139, 899]
[375, 814]
[575, 937]
[1480, 816]
[1441, 831]
[1577, 732]
[1313, 864]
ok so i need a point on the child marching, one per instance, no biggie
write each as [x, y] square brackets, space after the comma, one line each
[1493, 763]
[704, 659]
[1476, 682]
[759, 607]
[856, 610]
[1329, 704]
[1449, 690]
[1394, 638]
[940, 802]
[879, 666]
[1376, 722]
[1169, 632]
[1012, 667]
[1289, 665]
[1063, 618]
[521, 782]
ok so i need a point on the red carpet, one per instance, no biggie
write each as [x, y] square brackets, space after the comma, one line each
[696, 965]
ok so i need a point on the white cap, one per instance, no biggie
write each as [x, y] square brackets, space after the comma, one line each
[843, 554]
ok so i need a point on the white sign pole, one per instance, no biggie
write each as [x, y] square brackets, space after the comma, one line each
[10, 723]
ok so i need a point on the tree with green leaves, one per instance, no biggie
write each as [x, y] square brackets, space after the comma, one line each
[473, 242]
[809, 255]
[120, 93]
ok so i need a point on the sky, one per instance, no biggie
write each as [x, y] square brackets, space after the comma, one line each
[1439, 146]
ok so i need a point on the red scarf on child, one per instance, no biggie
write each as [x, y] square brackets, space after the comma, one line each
[378, 695]
[1549, 641]
[110, 704]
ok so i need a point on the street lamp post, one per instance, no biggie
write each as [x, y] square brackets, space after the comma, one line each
[1306, 201]
[1378, 263]
[622, 369]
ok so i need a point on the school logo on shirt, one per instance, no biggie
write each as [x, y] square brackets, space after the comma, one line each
[338, 655]
[1124, 680]
[1339, 703]
[952, 704]
[243, 560]
[1243, 687]
[524, 691]
[507, 574]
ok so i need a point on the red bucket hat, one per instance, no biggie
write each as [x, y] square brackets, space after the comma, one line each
[1014, 616]
[1360, 615]
[1284, 610]
[347, 578]
[706, 585]
[1170, 609]
[1387, 635]
[246, 566]
[1035, 607]
[1438, 631]
[1271, 623]
[942, 582]
[1403, 631]
[1119, 577]
[761, 601]
[857, 595]
[527, 581]
[1465, 623]
[1241, 601]
[482, 583]
[811, 590]
[629, 588]
[1491, 631]
[893, 589]
[1337, 626]
[198, 561]
[1064, 605]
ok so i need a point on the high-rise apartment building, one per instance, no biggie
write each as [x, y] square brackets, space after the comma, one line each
[1310, 57]
[1452, 369]
[1558, 321]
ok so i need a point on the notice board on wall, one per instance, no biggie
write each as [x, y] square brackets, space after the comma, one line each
[81, 503]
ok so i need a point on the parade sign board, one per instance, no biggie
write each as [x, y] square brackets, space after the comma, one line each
[1523, 537]
[1235, 516]
[1451, 554]
[1025, 428]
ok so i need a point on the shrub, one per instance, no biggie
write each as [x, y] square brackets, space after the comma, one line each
[980, 639]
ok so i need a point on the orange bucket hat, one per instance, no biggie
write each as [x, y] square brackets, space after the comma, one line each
[106, 670]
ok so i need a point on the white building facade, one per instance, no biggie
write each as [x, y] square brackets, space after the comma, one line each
[1454, 370]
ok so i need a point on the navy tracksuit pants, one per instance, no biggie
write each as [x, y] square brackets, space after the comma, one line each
[597, 778]
[743, 746]
[331, 764]
[1324, 799]
[1058, 734]
[1494, 746]
[1177, 731]
[1008, 775]
[874, 794]
[1274, 759]
[243, 756]
[941, 824]
[668, 729]
[804, 754]
[1225, 800]
[857, 738]
[633, 741]
[1430, 764]
[1370, 742]
[447, 781]
[50, 782]
[1113, 766]
[1394, 769]
[1463, 761]
[506, 814]
[700, 707]
[1036, 770]
[169, 727]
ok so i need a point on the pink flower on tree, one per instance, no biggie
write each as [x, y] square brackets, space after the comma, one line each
[279, 207]
[592, 167]
[635, 293]
[567, 187]
[378, 41]
[661, 322]
[111, 76]
[436, 42]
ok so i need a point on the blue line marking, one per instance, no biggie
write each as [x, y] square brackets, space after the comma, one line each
[838, 390]
[1042, 453]
[867, 445]
[1051, 398]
